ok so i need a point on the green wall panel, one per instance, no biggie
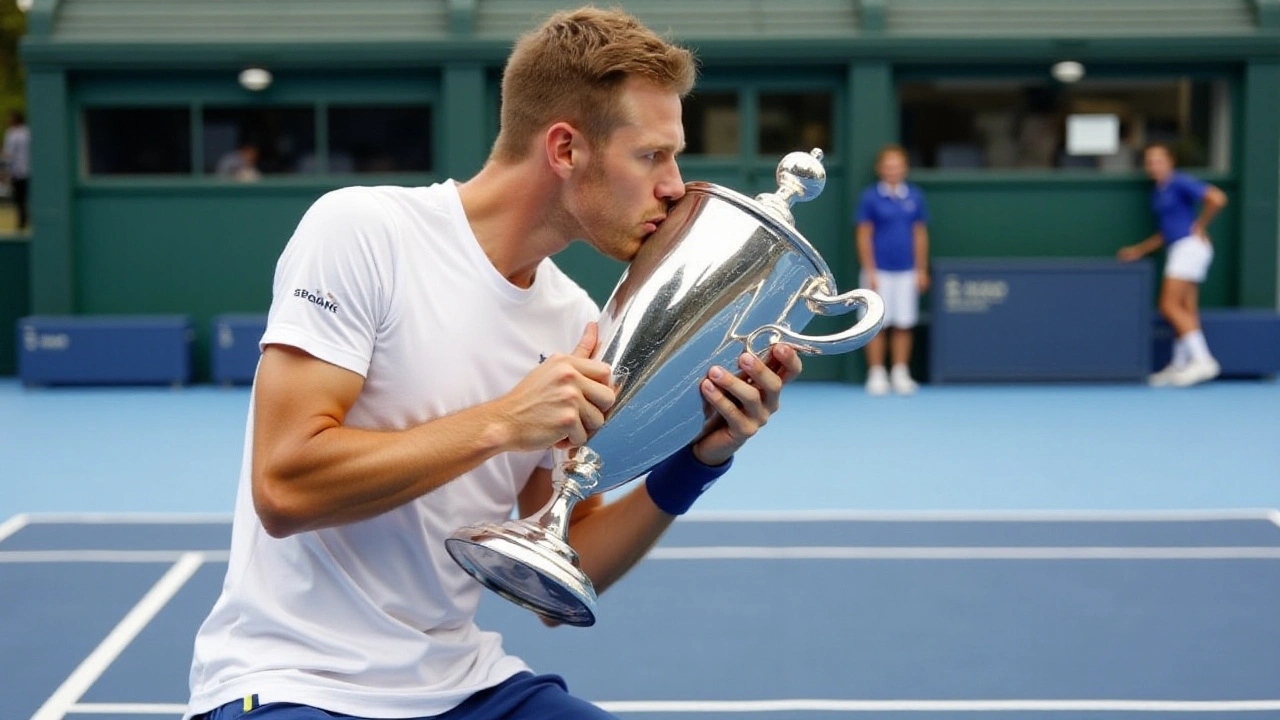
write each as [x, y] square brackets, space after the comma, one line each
[1041, 218]
[52, 256]
[1259, 201]
[193, 252]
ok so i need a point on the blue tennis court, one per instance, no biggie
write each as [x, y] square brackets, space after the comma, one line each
[1029, 552]
[779, 617]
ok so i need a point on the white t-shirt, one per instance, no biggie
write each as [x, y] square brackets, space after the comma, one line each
[374, 618]
[17, 149]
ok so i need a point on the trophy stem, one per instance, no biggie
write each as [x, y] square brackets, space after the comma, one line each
[530, 561]
[554, 517]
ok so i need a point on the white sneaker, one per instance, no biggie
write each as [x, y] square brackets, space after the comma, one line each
[1164, 377]
[877, 381]
[901, 380]
[1195, 372]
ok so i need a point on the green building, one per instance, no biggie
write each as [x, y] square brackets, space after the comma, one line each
[140, 118]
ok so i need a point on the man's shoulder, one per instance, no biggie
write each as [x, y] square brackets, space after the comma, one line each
[370, 193]
[563, 286]
[385, 201]
[1186, 180]
[359, 195]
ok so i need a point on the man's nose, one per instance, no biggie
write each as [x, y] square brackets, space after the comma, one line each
[671, 187]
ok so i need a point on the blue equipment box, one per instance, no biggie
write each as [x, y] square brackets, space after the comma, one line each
[1040, 320]
[235, 348]
[105, 349]
[1244, 341]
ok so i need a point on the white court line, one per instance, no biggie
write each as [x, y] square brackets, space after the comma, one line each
[126, 709]
[740, 706]
[1270, 515]
[964, 553]
[623, 707]
[83, 677]
[129, 518]
[746, 552]
[1119, 516]
[13, 525]
[117, 556]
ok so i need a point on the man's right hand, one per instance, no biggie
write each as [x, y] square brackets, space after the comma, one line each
[562, 402]
[1129, 253]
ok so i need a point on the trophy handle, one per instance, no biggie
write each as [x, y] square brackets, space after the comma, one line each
[819, 300]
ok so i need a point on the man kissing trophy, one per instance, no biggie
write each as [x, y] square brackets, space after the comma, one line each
[723, 274]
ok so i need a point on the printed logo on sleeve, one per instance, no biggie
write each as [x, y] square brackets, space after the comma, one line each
[319, 298]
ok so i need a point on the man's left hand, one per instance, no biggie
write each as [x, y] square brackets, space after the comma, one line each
[744, 403]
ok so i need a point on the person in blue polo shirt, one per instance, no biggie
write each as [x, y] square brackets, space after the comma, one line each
[893, 250]
[1174, 199]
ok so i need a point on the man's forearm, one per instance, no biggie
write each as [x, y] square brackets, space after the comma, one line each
[922, 249]
[1213, 203]
[866, 257]
[1151, 244]
[340, 475]
[614, 537]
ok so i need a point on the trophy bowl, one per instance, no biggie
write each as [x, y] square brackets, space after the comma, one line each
[723, 274]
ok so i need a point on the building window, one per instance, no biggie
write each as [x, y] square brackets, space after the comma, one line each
[137, 141]
[1012, 124]
[245, 143]
[795, 121]
[383, 139]
[711, 123]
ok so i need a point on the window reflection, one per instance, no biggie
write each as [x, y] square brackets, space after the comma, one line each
[137, 141]
[1009, 124]
[246, 143]
[380, 139]
[711, 124]
[794, 121]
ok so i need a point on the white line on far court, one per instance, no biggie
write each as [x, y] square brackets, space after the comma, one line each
[126, 709]
[622, 707]
[83, 677]
[982, 516]
[800, 705]
[129, 518]
[106, 556]
[12, 525]
[747, 552]
[782, 516]
[964, 553]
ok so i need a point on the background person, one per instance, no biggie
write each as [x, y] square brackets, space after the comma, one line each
[17, 153]
[892, 238]
[1182, 232]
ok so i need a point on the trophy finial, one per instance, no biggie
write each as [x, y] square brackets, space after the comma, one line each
[801, 177]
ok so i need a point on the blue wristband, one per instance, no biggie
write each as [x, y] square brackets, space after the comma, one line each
[675, 483]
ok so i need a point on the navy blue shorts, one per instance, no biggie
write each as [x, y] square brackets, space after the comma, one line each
[523, 696]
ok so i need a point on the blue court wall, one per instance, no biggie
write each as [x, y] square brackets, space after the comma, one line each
[14, 301]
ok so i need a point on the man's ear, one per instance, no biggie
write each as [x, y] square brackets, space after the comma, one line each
[565, 149]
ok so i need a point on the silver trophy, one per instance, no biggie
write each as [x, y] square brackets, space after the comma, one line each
[722, 275]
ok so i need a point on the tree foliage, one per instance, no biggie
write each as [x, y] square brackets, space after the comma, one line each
[13, 25]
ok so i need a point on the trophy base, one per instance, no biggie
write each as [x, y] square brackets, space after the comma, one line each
[524, 564]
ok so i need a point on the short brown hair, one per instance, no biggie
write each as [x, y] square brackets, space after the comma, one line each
[892, 149]
[1162, 145]
[572, 69]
